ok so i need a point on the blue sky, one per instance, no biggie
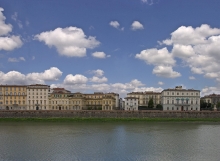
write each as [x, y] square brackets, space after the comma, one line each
[111, 46]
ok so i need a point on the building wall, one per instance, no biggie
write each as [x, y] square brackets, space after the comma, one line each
[181, 100]
[131, 104]
[37, 97]
[144, 97]
[13, 97]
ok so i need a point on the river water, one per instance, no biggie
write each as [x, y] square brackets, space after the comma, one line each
[109, 141]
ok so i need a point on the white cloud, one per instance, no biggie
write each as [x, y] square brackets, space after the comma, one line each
[190, 36]
[100, 55]
[137, 26]
[98, 80]
[192, 78]
[48, 75]
[13, 60]
[183, 51]
[114, 24]
[98, 72]
[75, 79]
[15, 77]
[210, 90]
[22, 58]
[4, 28]
[9, 42]
[33, 57]
[149, 2]
[156, 57]
[160, 83]
[15, 18]
[70, 41]
[165, 71]
[16, 59]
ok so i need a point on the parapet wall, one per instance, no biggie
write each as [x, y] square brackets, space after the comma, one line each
[108, 114]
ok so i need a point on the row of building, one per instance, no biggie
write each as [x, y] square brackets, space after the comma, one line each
[42, 97]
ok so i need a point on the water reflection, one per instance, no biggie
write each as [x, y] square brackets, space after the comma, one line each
[109, 141]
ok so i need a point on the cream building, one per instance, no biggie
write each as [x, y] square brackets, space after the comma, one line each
[77, 101]
[37, 97]
[13, 97]
[212, 98]
[59, 99]
[131, 104]
[180, 99]
[144, 97]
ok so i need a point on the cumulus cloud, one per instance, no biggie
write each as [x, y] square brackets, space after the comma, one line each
[7, 42]
[16, 59]
[97, 72]
[69, 41]
[165, 71]
[183, 51]
[192, 78]
[193, 36]
[15, 77]
[136, 25]
[100, 55]
[156, 57]
[149, 2]
[98, 79]
[114, 24]
[197, 47]
[48, 75]
[210, 90]
[160, 83]
[75, 79]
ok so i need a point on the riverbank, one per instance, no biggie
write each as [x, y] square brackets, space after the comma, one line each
[109, 119]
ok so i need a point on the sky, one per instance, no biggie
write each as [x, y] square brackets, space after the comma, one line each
[116, 46]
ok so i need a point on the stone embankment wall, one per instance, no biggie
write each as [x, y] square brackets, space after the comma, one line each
[109, 114]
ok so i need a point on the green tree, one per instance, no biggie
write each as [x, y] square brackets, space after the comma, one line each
[151, 103]
[218, 105]
[159, 106]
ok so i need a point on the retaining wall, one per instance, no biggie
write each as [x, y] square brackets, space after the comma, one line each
[109, 114]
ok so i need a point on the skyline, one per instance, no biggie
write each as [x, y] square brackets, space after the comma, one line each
[113, 46]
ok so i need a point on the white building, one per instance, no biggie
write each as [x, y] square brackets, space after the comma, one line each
[180, 99]
[37, 97]
[131, 104]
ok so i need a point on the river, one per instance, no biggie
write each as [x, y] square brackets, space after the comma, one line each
[109, 141]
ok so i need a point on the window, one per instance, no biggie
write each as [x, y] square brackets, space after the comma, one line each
[167, 108]
[182, 93]
[172, 108]
[167, 101]
[177, 93]
[172, 101]
[172, 93]
[167, 93]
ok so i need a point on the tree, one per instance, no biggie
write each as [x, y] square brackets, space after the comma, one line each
[151, 103]
[218, 105]
[159, 106]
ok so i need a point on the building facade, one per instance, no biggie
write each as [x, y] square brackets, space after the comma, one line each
[144, 97]
[13, 97]
[212, 98]
[131, 104]
[59, 99]
[37, 97]
[180, 99]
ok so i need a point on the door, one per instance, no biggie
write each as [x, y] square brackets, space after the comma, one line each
[59, 108]
[182, 108]
[37, 108]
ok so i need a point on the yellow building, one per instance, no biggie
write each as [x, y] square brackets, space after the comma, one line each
[144, 97]
[59, 99]
[13, 97]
